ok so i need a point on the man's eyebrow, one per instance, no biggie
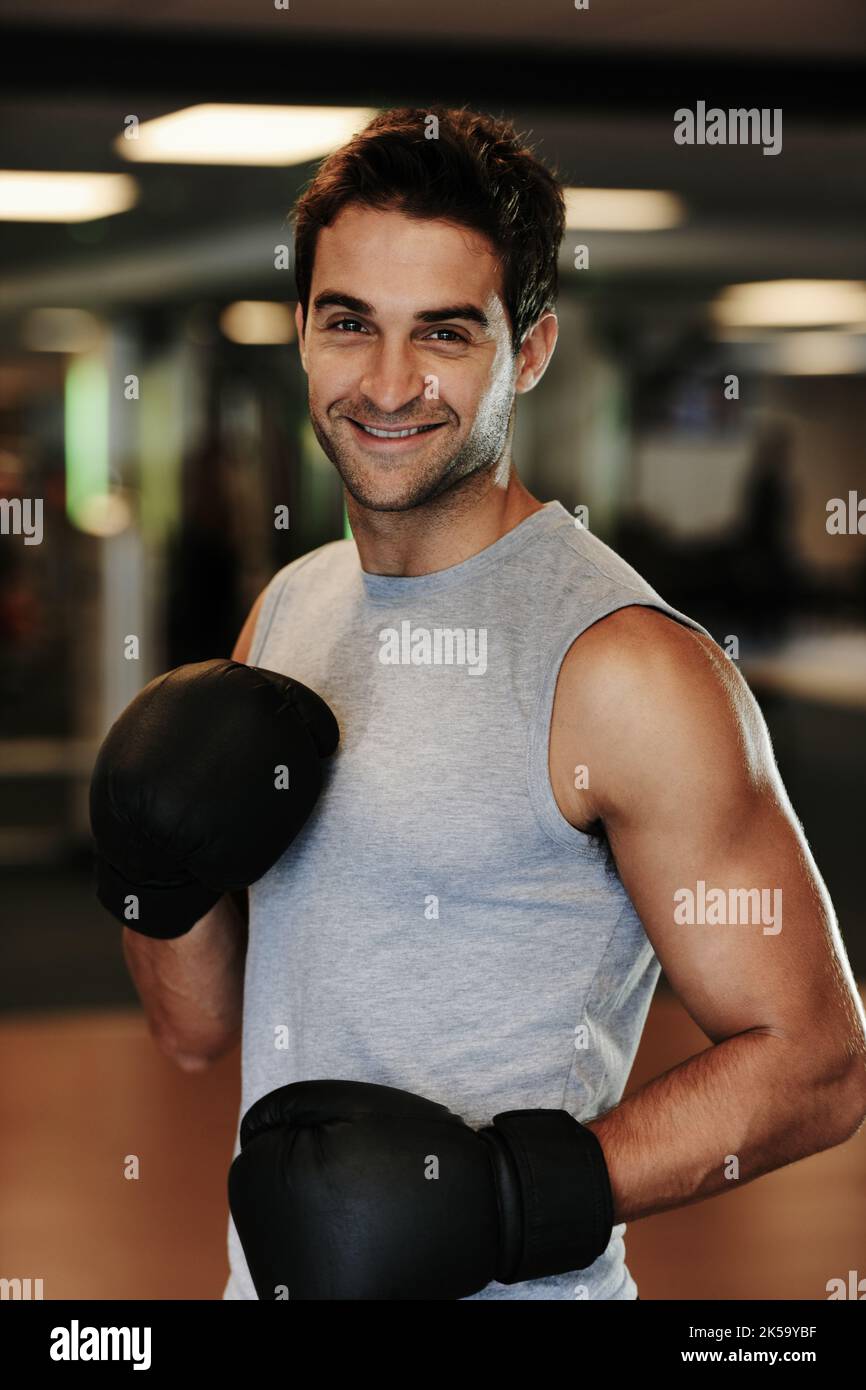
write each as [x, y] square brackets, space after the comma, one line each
[471, 312]
[337, 299]
[342, 301]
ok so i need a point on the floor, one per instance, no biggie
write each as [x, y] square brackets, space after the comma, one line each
[85, 1099]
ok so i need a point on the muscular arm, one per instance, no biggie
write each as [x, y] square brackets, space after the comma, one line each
[191, 988]
[683, 778]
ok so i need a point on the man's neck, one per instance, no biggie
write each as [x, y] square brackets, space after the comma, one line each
[444, 532]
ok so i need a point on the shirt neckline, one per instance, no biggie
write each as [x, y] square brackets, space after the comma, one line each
[385, 588]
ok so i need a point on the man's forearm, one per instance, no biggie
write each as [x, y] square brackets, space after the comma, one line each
[745, 1099]
[191, 987]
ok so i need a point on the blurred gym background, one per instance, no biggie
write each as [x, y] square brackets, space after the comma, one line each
[706, 404]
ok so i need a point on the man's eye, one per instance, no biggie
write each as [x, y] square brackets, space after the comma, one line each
[340, 324]
[454, 338]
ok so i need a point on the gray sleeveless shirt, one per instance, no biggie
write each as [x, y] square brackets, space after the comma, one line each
[438, 925]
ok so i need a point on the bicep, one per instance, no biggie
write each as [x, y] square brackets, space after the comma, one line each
[707, 844]
[736, 911]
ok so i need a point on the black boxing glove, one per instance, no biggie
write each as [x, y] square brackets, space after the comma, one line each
[345, 1190]
[185, 799]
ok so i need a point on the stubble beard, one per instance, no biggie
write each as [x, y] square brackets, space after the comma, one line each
[367, 483]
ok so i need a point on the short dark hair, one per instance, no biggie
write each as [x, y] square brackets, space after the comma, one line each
[477, 173]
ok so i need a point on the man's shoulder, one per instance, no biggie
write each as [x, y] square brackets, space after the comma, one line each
[648, 698]
[641, 679]
[309, 566]
[637, 642]
[324, 556]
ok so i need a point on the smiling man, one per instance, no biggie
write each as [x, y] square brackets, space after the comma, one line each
[398, 450]
[449, 969]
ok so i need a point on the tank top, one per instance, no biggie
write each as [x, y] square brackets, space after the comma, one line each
[438, 925]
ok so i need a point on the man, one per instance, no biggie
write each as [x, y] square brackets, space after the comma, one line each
[541, 763]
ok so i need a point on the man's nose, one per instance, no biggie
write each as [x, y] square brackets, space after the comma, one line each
[392, 378]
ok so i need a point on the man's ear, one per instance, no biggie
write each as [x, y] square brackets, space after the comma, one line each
[299, 329]
[535, 352]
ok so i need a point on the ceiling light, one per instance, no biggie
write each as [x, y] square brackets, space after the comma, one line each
[791, 304]
[258, 321]
[622, 209]
[217, 133]
[35, 196]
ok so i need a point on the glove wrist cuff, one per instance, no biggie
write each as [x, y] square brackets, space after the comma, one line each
[556, 1204]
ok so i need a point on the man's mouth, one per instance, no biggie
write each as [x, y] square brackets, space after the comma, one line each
[375, 433]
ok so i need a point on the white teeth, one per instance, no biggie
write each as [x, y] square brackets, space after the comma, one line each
[394, 434]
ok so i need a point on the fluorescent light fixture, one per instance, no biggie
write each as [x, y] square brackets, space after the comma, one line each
[61, 330]
[86, 431]
[258, 321]
[34, 196]
[791, 304]
[218, 133]
[622, 209]
[820, 354]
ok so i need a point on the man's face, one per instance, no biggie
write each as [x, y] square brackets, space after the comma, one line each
[406, 328]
